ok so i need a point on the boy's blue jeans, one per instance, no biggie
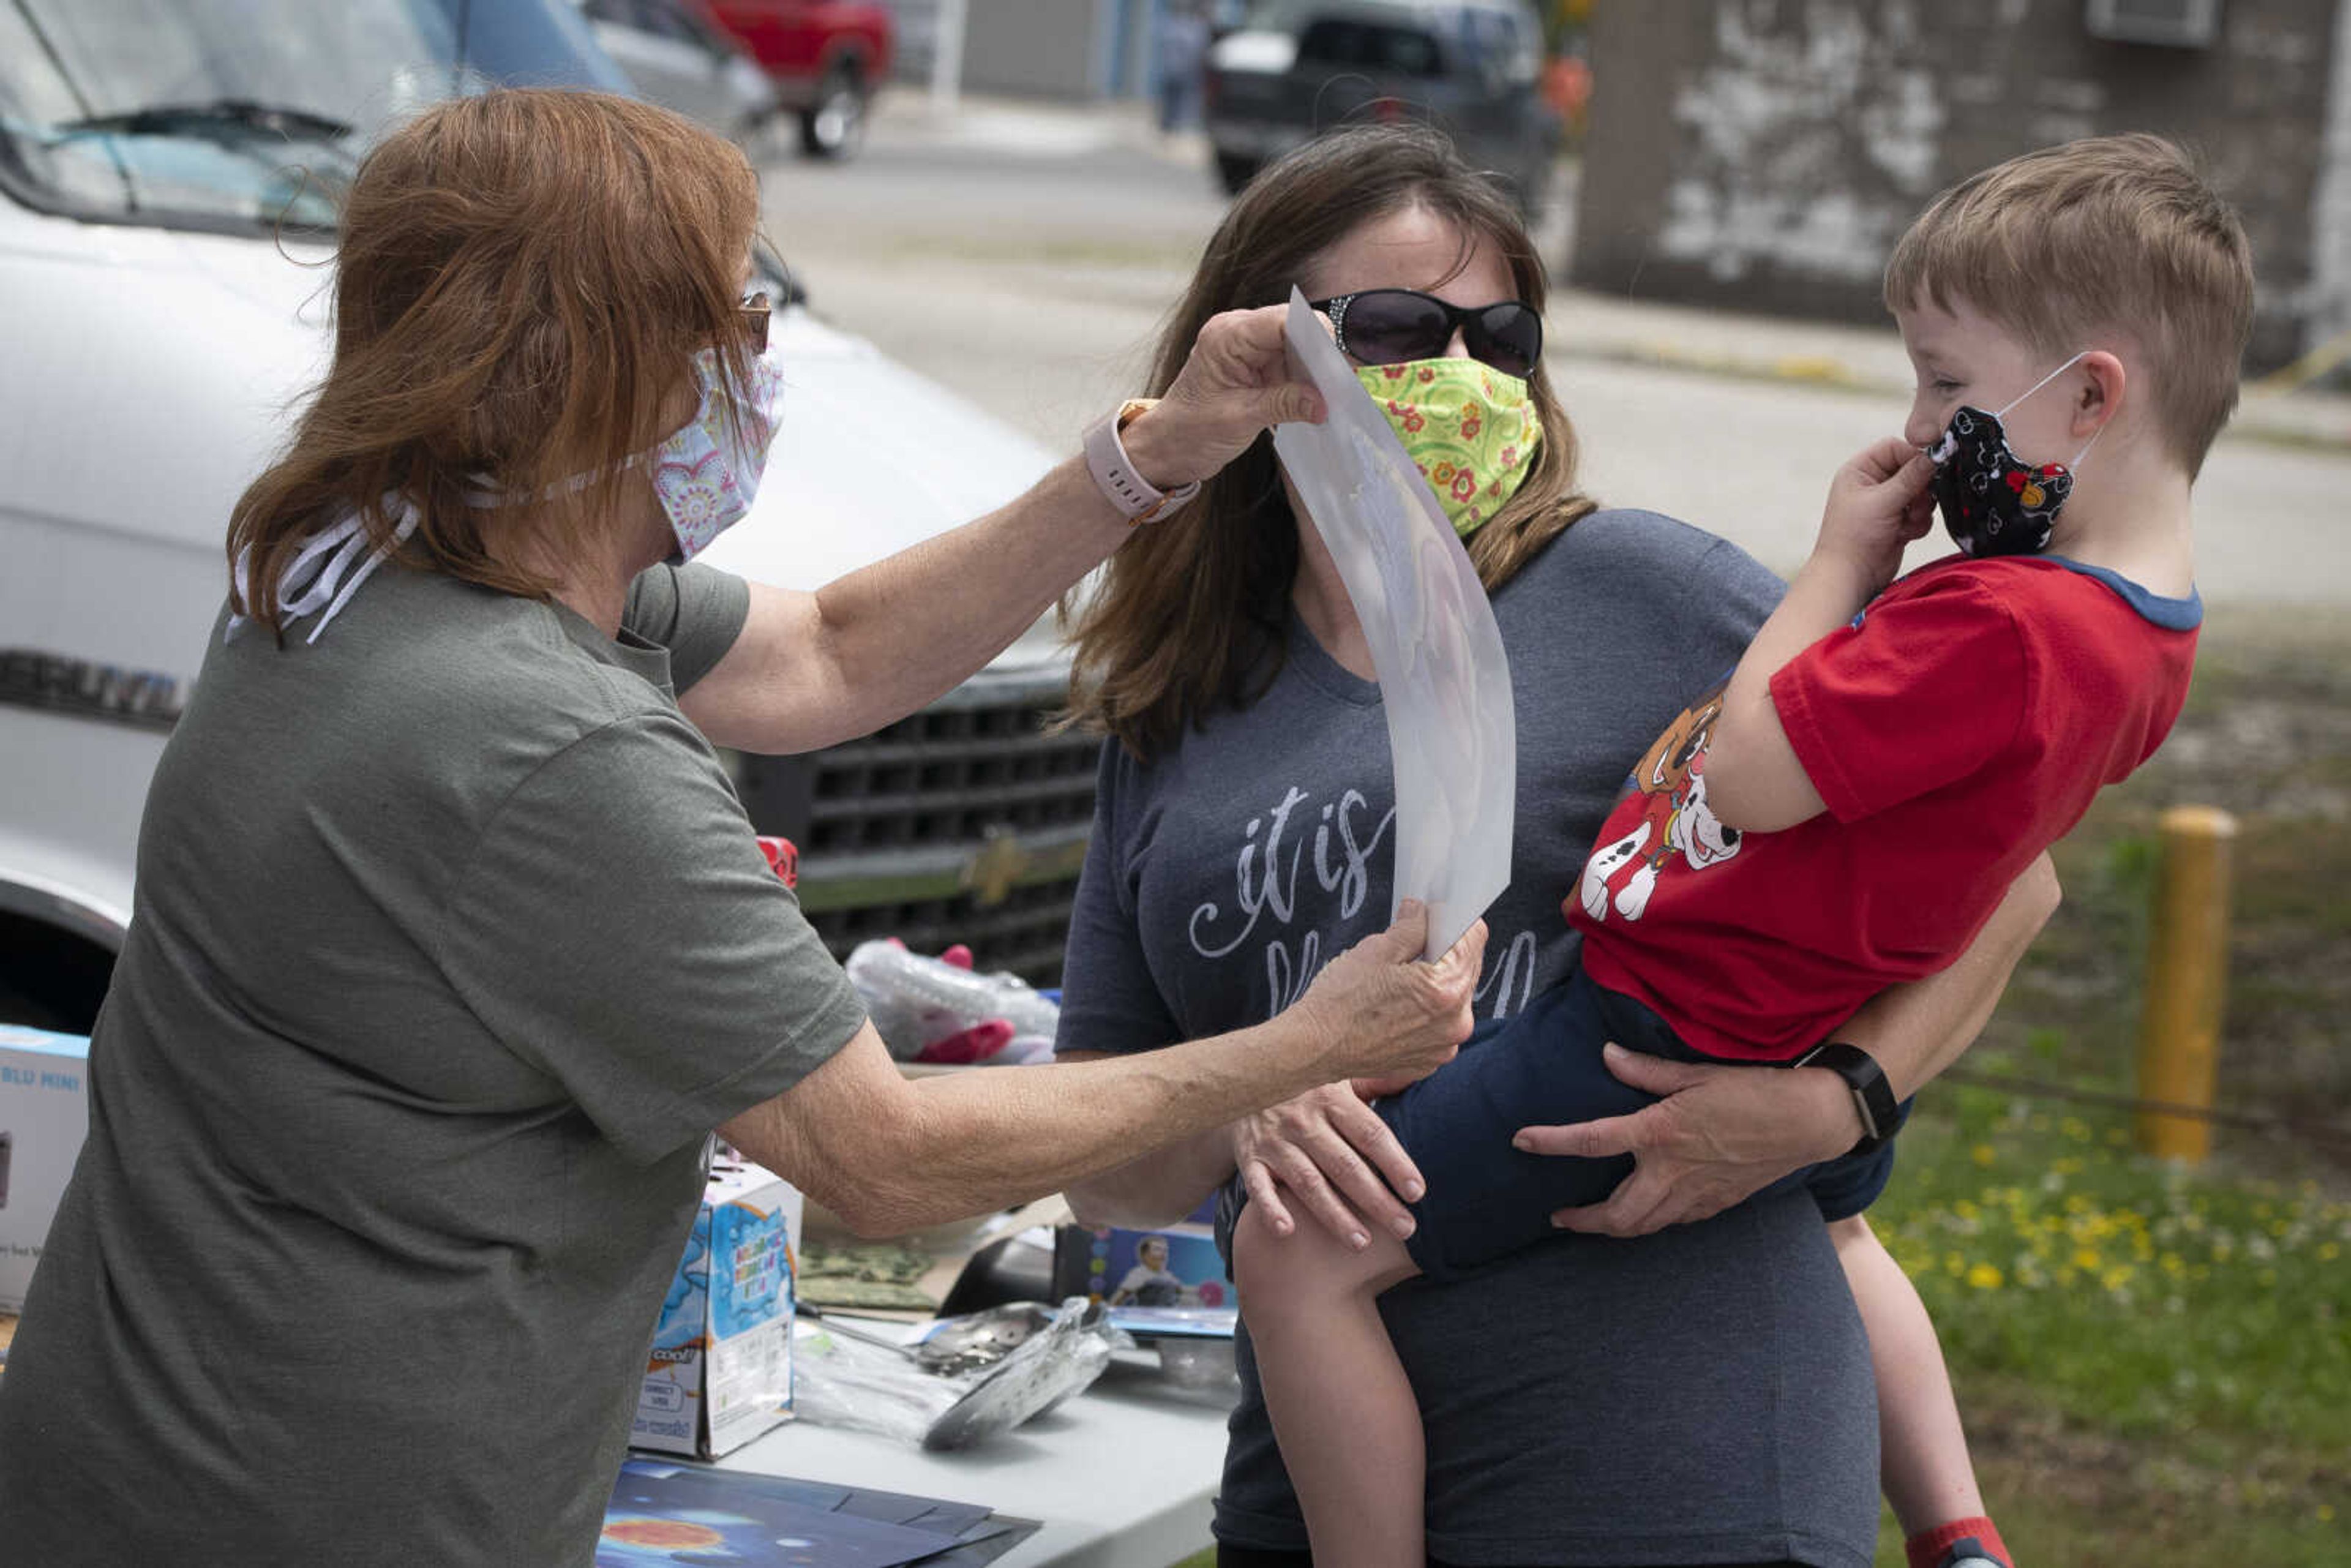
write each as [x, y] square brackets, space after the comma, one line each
[1544, 1067]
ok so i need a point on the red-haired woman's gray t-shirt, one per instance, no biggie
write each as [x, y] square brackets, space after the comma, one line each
[1699, 1395]
[452, 945]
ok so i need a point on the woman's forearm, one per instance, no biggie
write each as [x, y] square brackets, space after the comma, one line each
[896, 635]
[890, 1155]
[1159, 1189]
[1917, 1029]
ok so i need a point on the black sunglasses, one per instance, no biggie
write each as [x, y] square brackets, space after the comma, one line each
[1390, 325]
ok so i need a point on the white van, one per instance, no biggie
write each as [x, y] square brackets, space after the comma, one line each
[167, 178]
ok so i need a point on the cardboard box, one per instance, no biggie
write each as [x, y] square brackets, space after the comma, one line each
[44, 1112]
[721, 1369]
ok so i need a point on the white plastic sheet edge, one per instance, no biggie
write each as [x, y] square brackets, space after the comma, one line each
[1444, 679]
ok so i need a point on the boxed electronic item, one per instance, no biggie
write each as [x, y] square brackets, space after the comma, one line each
[720, 1372]
[44, 1112]
[1175, 1267]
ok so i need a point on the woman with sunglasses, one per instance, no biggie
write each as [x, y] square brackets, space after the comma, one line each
[452, 945]
[1702, 1393]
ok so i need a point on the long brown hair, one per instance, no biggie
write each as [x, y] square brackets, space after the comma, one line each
[1192, 617]
[521, 280]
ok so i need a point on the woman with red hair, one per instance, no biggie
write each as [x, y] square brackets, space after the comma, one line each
[452, 945]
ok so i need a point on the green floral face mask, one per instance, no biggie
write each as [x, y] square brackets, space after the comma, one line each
[1472, 431]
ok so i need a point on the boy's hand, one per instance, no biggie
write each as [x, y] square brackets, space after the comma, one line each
[1878, 504]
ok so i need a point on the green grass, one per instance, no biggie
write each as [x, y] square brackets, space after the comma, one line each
[2152, 1361]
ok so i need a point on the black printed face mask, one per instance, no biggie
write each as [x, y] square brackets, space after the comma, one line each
[1993, 501]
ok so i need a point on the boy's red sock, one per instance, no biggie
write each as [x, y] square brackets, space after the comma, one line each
[1926, 1549]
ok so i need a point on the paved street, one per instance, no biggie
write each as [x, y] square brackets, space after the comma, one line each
[1024, 255]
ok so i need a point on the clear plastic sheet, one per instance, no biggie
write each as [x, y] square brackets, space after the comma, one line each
[1444, 678]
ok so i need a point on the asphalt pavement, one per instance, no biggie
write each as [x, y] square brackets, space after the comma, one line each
[1025, 254]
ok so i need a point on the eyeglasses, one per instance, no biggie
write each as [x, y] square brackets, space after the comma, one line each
[756, 309]
[1390, 325]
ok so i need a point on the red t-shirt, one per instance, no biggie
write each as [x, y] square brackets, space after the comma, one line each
[1961, 724]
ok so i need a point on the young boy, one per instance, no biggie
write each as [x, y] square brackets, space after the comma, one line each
[1847, 811]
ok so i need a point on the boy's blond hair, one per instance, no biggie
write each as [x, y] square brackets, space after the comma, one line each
[2115, 233]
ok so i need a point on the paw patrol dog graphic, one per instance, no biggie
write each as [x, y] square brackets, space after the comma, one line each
[1675, 819]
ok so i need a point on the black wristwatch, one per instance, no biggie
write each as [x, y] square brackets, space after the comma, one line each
[1872, 1095]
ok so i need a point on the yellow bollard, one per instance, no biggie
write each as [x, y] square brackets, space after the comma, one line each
[2187, 979]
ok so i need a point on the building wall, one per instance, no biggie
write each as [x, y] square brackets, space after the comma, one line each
[1043, 48]
[2328, 312]
[1038, 48]
[1767, 153]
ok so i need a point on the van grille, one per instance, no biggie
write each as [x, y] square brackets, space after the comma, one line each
[948, 775]
[964, 822]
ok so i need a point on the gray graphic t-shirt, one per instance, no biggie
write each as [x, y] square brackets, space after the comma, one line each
[1702, 1394]
[452, 945]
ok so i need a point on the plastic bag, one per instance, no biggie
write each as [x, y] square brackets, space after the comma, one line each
[840, 1377]
[919, 1003]
[1444, 678]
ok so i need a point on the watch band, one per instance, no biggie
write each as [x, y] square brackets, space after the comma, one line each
[1137, 499]
[1873, 1097]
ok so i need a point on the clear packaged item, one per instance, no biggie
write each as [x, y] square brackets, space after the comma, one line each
[918, 1003]
[1196, 1363]
[1444, 678]
[999, 1375]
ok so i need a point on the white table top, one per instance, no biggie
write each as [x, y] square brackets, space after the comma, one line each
[1120, 1477]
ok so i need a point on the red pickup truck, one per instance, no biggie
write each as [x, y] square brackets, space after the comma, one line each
[827, 59]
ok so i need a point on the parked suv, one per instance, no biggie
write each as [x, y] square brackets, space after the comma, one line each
[168, 174]
[1296, 69]
[826, 57]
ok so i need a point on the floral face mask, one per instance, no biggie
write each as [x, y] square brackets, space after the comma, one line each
[1471, 430]
[706, 474]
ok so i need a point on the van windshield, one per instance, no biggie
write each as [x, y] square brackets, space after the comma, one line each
[247, 115]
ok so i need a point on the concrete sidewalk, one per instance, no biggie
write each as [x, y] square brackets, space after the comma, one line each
[906, 117]
[1583, 325]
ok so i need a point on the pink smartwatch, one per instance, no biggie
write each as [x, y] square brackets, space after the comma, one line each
[1137, 500]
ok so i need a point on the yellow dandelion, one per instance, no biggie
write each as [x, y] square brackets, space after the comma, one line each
[1982, 1154]
[1985, 1277]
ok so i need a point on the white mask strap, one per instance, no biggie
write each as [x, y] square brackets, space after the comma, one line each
[376, 558]
[315, 580]
[2077, 359]
[2002, 413]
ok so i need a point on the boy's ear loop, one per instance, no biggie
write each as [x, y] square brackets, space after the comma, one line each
[2000, 413]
